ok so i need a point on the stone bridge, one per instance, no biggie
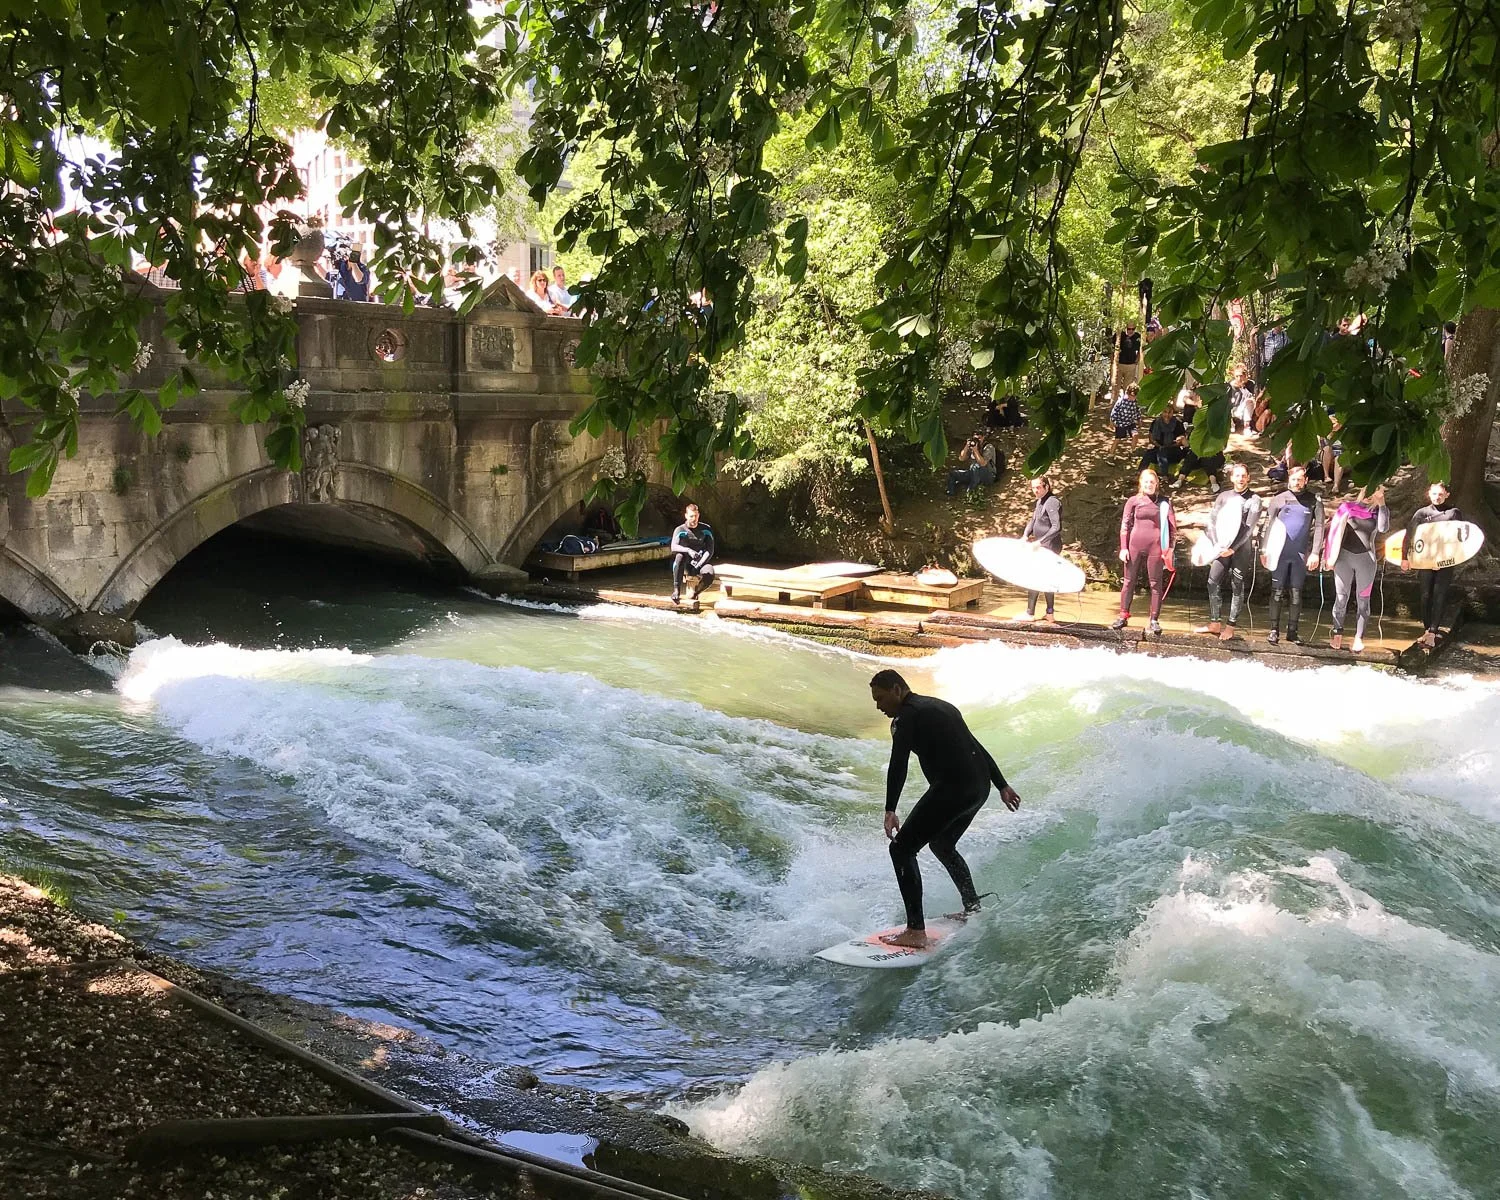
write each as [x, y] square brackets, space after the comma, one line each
[437, 435]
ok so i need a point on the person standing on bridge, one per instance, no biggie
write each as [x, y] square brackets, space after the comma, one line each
[959, 773]
[692, 553]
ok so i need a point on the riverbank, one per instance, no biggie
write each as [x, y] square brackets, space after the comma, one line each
[104, 1043]
[1083, 621]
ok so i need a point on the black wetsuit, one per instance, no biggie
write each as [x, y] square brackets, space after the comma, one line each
[1302, 514]
[692, 554]
[1434, 584]
[1239, 565]
[959, 773]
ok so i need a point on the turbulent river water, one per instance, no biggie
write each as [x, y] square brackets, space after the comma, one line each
[1245, 939]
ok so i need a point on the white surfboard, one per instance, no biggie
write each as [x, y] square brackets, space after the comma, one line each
[869, 951]
[937, 577]
[1028, 565]
[836, 570]
[1334, 542]
[1205, 549]
[1223, 528]
[1437, 544]
[1270, 552]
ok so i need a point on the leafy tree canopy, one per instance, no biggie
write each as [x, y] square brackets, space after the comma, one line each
[1339, 158]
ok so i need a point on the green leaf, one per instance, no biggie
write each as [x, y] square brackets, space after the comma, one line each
[825, 135]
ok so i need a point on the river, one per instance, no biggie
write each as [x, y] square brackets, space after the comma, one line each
[1245, 939]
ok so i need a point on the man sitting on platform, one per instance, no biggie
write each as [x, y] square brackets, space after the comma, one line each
[692, 553]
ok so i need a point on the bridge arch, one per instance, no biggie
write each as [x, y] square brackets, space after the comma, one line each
[356, 488]
[563, 495]
[27, 587]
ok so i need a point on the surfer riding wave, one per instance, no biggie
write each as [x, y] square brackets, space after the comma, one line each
[959, 772]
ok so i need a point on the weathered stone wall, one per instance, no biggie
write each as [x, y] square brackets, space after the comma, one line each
[453, 429]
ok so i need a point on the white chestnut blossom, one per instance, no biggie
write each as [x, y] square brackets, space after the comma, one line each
[796, 99]
[296, 393]
[142, 357]
[1398, 20]
[1375, 269]
[612, 465]
[663, 224]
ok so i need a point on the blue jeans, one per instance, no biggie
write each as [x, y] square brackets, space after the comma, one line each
[961, 479]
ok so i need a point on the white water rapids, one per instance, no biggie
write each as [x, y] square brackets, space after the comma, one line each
[1245, 942]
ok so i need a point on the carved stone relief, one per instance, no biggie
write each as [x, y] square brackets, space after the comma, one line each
[492, 347]
[320, 463]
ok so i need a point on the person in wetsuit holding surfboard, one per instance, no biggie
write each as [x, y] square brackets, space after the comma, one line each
[1299, 509]
[1238, 508]
[1045, 529]
[1434, 584]
[959, 772]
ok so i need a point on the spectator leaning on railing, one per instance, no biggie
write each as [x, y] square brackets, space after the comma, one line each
[558, 292]
[539, 293]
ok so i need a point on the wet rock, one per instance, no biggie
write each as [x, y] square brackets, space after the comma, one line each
[499, 579]
[83, 632]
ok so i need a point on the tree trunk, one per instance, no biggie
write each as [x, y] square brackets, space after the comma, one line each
[1476, 349]
[888, 524]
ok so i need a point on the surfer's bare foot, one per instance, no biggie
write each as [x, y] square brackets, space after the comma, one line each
[1213, 629]
[1050, 618]
[911, 939]
[1228, 634]
[1023, 618]
[1357, 646]
[1336, 642]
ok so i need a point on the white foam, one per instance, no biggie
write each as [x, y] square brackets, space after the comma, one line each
[987, 1111]
[559, 802]
[1432, 735]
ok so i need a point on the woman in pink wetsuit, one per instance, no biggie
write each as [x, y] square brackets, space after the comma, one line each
[1141, 548]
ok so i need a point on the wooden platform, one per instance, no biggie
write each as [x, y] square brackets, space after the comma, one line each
[785, 589]
[620, 554]
[906, 590]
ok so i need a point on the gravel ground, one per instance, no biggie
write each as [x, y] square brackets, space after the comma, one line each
[93, 1054]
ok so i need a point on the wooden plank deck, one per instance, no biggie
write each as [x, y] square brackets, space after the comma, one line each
[906, 590]
[624, 555]
[786, 588]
